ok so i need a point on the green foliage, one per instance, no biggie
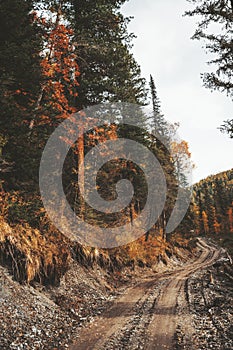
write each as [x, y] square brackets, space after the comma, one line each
[216, 14]
[227, 127]
[18, 207]
[159, 124]
[108, 70]
[213, 204]
[36, 70]
[20, 81]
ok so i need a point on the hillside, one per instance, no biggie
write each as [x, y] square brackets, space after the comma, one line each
[127, 304]
[51, 288]
[212, 208]
[93, 189]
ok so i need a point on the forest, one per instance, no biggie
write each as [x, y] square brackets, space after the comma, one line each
[58, 59]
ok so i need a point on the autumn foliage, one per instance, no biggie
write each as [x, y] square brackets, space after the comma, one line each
[60, 74]
[213, 204]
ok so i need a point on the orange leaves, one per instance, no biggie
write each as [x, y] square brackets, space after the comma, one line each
[205, 221]
[181, 148]
[181, 157]
[20, 92]
[112, 133]
[230, 217]
[44, 120]
[59, 69]
[103, 133]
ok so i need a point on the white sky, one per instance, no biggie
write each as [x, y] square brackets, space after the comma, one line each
[164, 49]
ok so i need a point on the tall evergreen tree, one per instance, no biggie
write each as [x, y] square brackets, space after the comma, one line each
[161, 147]
[108, 69]
[20, 45]
[209, 206]
[220, 43]
[159, 124]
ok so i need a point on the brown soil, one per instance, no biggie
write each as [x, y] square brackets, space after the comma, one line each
[145, 316]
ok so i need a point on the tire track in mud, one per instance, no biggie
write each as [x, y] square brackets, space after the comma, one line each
[163, 325]
[144, 317]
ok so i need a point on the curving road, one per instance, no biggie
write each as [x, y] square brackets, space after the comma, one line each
[144, 317]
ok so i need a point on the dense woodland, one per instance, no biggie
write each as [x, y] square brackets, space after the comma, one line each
[56, 58]
[213, 204]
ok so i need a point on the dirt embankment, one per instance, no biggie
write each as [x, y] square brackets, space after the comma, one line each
[148, 308]
[147, 315]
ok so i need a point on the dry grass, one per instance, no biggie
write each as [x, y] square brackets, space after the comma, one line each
[32, 255]
[150, 252]
[34, 250]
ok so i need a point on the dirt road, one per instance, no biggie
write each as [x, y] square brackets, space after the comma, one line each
[144, 317]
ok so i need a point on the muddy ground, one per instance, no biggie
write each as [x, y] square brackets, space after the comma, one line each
[186, 307]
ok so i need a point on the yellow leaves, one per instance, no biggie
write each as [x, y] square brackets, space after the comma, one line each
[205, 221]
[230, 217]
[181, 156]
[181, 148]
[217, 227]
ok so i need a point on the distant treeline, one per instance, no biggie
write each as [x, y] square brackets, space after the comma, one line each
[213, 204]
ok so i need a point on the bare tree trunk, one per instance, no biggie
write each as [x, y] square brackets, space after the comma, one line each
[132, 212]
[81, 173]
[163, 219]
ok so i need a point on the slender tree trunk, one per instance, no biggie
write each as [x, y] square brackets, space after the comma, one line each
[132, 212]
[163, 219]
[81, 173]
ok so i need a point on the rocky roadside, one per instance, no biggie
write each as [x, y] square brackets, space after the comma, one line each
[39, 318]
[36, 317]
[206, 314]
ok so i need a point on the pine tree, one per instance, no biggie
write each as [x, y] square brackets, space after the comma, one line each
[221, 198]
[209, 206]
[220, 13]
[20, 76]
[108, 69]
[161, 147]
[159, 123]
[214, 197]
[227, 127]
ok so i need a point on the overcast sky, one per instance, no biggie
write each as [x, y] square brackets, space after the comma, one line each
[163, 48]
